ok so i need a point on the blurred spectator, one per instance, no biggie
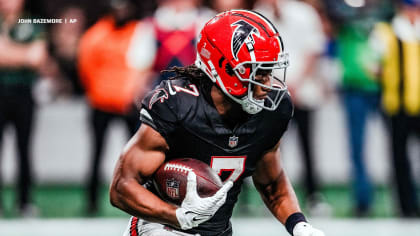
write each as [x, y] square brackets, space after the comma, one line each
[400, 53]
[115, 56]
[64, 41]
[22, 54]
[328, 66]
[302, 33]
[226, 5]
[176, 25]
[360, 93]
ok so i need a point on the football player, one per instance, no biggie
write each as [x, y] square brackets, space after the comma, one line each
[228, 110]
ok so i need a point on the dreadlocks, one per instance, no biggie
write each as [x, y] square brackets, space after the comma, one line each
[192, 73]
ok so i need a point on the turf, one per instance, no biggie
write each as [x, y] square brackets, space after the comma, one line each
[67, 201]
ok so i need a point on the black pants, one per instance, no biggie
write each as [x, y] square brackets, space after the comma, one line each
[401, 127]
[18, 110]
[99, 121]
[303, 119]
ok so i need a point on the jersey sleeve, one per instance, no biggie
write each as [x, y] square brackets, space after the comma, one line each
[158, 110]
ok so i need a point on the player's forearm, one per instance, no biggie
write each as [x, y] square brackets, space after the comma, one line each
[15, 55]
[14, 58]
[131, 197]
[280, 198]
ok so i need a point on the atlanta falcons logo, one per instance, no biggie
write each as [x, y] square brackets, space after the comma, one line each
[243, 33]
[158, 95]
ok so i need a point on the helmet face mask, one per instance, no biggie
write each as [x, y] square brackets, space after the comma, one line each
[241, 50]
[276, 84]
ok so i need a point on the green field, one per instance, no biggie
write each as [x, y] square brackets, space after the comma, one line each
[67, 201]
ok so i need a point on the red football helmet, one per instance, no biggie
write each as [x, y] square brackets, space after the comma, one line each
[233, 46]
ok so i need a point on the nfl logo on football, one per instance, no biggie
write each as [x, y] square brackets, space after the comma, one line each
[172, 188]
[233, 141]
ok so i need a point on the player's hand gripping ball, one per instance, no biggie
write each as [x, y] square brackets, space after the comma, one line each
[171, 179]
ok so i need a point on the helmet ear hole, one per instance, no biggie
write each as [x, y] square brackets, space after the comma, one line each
[229, 69]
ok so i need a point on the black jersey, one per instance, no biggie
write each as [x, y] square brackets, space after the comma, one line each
[193, 128]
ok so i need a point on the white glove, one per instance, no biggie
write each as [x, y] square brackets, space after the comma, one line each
[305, 229]
[195, 210]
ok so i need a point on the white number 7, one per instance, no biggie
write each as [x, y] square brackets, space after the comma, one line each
[234, 164]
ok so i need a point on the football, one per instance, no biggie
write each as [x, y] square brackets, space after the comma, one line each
[170, 179]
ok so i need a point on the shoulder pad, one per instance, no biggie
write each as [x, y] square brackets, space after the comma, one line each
[286, 107]
[172, 99]
[284, 111]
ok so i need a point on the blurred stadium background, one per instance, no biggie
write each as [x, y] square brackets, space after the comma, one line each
[61, 157]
